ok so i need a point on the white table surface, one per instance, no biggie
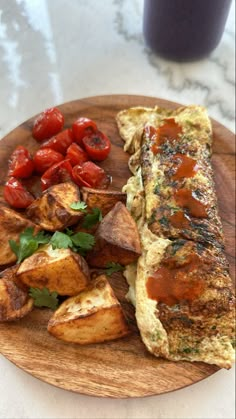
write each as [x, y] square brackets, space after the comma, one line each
[53, 51]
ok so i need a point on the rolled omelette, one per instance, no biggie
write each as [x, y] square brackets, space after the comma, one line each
[180, 286]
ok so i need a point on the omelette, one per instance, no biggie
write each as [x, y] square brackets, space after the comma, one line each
[180, 286]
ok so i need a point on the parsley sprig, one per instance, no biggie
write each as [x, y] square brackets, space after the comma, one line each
[44, 298]
[79, 206]
[90, 219]
[28, 243]
[113, 267]
[79, 242]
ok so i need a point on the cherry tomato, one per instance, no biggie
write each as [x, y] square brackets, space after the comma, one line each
[45, 158]
[60, 142]
[16, 195]
[82, 127]
[76, 154]
[47, 124]
[97, 145]
[58, 173]
[20, 163]
[90, 175]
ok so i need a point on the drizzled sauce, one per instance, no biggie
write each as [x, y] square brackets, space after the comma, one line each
[185, 199]
[169, 131]
[179, 220]
[171, 284]
[186, 166]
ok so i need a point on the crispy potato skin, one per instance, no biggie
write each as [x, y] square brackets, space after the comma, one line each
[14, 302]
[102, 199]
[11, 225]
[10, 274]
[52, 210]
[117, 239]
[93, 316]
[59, 270]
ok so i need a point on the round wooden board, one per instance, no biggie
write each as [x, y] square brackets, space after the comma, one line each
[121, 368]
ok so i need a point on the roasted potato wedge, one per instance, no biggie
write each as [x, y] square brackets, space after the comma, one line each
[52, 210]
[116, 239]
[102, 199]
[11, 225]
[14, 301]
[10, 274]
[95, 315]
[59, 270]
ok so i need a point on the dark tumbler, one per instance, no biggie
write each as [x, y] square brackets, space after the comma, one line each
[184, 30]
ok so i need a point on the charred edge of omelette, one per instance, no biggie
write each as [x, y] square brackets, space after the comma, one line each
[199, 328]
[166, 217]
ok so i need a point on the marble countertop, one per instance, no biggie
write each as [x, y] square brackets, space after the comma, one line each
[54, 51]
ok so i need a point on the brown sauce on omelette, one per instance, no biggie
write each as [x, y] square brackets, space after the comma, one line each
[185, 198]
[186, 167]
[169, 131]
[171, 283]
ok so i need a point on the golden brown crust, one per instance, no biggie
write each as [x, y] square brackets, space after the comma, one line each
[94, 315]
[184, 295]
[59, 270]
[52, 210]
[12, 224]
[116, 239]
[14, 301]
[160, 185]
[102, 199]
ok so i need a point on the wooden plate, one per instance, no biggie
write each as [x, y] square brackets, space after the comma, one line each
[122, 368]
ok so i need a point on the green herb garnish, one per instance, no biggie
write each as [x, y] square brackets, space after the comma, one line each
[79, 206]
[61, 241]
[28, 243]
[44, 298]
[152, 219]
[83, 241]
[189, 350]
[112, 267]
[176, 245]
[164, 221]
[157, 188]
[91, 219]
[78, 242]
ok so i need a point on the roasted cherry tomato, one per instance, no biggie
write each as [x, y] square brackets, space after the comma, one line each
[82, 127]
[59, 142]
[76, 154]
[20, 163]
[97, 146]
[47, 124]
[16, 195]
[45, 158]
[58, 173]
[90, 175]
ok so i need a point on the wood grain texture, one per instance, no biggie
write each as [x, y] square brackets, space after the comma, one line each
[121, 368]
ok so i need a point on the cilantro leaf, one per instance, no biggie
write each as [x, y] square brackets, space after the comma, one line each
[83, 241]
[113, 267]
[61, 241]
[78, 242]
[42, 238]
[91, 219]
[44, 298]
[79, 206]
[28, 243]
[69, 232]
[14, 247]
